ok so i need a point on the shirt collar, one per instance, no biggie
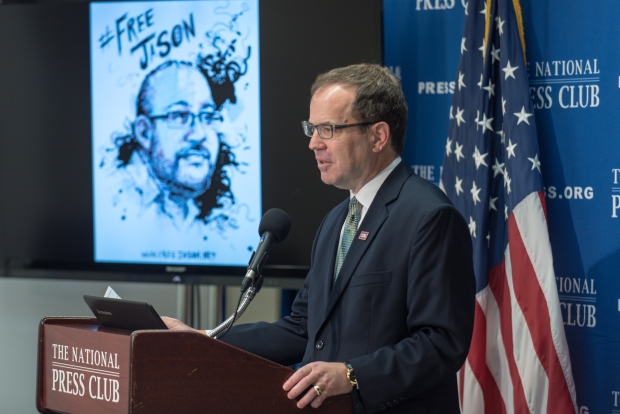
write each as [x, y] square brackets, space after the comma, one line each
[368, 192]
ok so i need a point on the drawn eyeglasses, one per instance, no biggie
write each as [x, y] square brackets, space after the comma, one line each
[183, 119]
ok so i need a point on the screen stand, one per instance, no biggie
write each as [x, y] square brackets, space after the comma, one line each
[191, 305]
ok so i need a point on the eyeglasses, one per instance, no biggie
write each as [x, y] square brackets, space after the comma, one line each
[182, 119]
[326, 131]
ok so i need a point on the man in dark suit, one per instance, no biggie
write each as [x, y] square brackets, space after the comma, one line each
[386, 311]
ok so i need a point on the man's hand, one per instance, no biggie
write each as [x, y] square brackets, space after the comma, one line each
[330, 377]
[177, 325]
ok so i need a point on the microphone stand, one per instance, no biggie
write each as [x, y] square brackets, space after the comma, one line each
[274, 227]
[249, 295]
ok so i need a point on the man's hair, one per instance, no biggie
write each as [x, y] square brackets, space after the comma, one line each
[379, 96]
[145, 96]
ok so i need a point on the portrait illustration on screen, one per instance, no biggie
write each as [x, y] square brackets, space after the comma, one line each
[176, 131]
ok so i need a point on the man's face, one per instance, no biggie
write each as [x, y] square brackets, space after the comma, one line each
[183, 156]
[346, 160]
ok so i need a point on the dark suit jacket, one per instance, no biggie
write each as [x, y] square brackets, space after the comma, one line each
[401, 310]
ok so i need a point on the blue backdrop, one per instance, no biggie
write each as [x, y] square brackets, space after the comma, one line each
[574, 73]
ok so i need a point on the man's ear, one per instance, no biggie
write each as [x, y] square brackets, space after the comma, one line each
[143, 131]
[380, 135]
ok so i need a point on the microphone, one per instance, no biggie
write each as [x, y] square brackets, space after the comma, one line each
[273, 228]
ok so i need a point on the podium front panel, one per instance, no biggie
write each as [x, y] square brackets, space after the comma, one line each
[85, 369]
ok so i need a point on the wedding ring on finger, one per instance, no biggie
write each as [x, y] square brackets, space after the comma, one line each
[318, 390]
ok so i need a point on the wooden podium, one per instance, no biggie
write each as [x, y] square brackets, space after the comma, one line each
[86, 368]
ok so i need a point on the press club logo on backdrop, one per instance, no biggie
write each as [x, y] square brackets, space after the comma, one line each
[568, 84]
[570, 192]
[438, 4]
[436, 88]
[580, 95]
[615, 193]
[577, 301]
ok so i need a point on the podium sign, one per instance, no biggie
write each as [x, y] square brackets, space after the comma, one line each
[86, 370]
[84, 367]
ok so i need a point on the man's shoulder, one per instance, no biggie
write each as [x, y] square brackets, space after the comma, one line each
[419, 198]
[406, 187]
[423, 190]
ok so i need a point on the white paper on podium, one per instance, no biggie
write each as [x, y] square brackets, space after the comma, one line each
[110, 293]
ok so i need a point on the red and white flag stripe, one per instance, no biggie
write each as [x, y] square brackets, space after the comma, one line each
[519, 360]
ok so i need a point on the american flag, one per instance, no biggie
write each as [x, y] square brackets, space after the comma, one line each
[519, 360]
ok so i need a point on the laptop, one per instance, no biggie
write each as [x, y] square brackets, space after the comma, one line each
[124, 314]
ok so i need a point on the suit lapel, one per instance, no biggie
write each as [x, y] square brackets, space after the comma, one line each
[373, 220]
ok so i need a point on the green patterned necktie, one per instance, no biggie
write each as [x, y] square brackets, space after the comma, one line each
[350, 228]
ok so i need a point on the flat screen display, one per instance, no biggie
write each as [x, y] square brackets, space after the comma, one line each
[143, 141]
[175, 107]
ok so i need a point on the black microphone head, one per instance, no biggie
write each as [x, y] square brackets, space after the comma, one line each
[277, 222]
